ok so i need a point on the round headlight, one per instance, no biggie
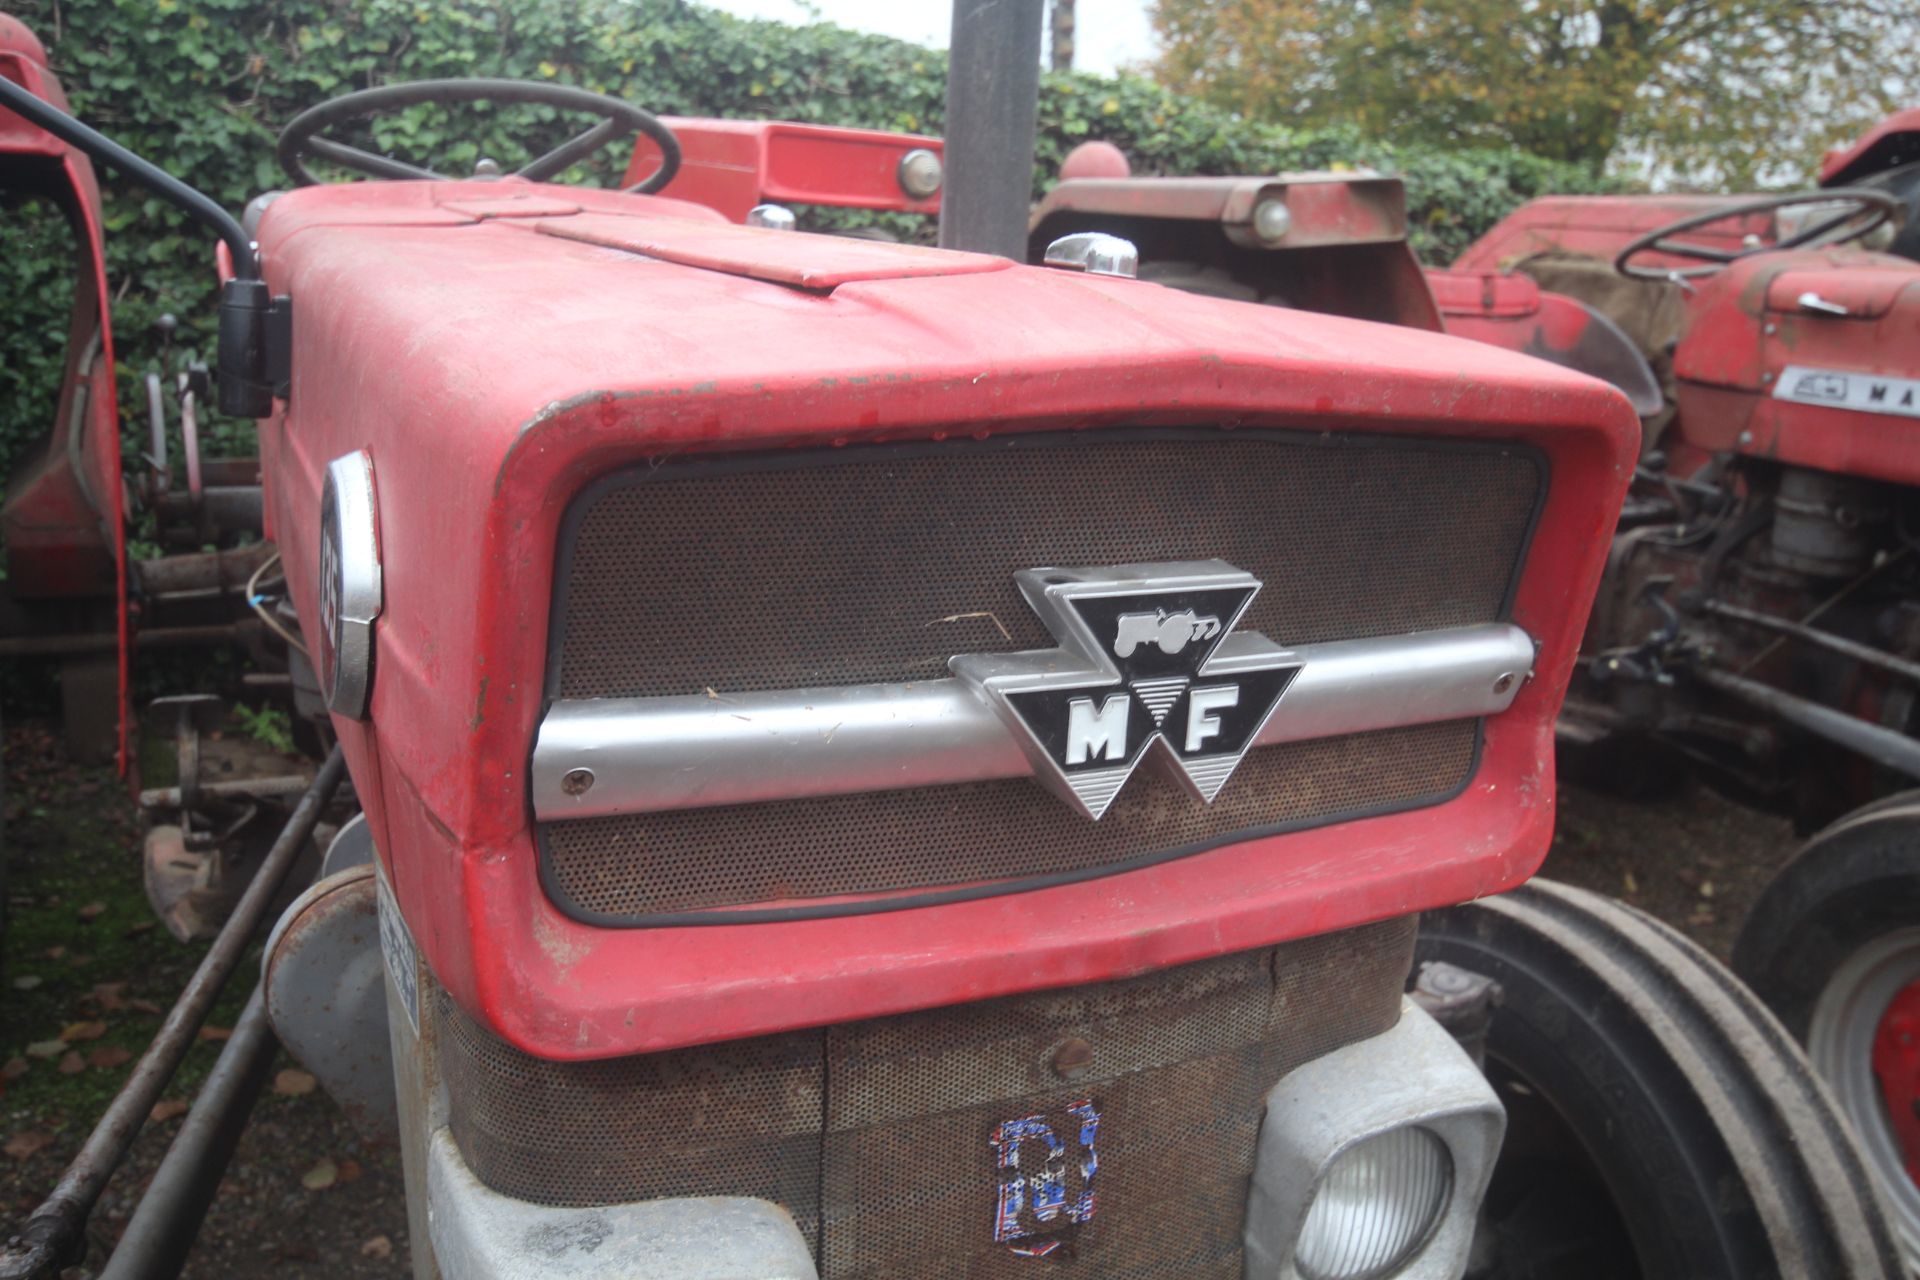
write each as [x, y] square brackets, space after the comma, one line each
[1375, 1206]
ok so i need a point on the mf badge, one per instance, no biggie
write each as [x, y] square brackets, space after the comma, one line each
[1149, 663]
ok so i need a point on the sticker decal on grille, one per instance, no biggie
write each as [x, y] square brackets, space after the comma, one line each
[1016, 1223]
[1149, 664]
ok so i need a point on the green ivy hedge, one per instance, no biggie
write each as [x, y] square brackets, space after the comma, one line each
[201, 87]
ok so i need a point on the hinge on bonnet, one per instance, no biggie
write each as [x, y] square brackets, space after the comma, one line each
[280, 345]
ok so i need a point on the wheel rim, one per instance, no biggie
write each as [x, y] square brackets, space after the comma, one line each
[1865, 1043]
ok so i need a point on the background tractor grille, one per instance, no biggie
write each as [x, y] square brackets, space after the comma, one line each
[876, 1135]
[878, 564]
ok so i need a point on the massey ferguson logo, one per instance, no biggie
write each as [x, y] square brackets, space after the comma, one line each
[1171, 631]
[1148, 663]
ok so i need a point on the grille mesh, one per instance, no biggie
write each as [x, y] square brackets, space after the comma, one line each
[876, 1135]
[844, 570]
[633, 865]
[878, 564]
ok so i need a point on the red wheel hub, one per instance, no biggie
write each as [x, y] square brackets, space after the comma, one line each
[1896, 1065]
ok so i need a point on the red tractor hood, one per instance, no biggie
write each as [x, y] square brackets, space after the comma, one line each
[494, 348]
[1809, 357]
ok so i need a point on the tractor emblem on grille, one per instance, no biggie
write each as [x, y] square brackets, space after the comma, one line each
[1171, 631]
[1033, 1204]
[1148, 665]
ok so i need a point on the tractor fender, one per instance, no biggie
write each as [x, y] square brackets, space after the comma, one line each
[1511, 311]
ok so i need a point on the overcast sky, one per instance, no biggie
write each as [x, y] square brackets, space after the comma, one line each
[1111, 33]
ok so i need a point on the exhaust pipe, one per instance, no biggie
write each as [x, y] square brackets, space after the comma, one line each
[993, 101]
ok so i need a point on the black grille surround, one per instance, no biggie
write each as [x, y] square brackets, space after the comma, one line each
[877, 1135]
[877, 563]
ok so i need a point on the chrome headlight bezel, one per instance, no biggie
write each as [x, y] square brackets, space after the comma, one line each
[1414, 1075]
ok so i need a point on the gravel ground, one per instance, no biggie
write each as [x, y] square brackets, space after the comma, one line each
[306, 1196]
[1694, 859]
[84, 982]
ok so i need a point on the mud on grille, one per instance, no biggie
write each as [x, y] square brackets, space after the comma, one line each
[878, 564]
[876, 1135]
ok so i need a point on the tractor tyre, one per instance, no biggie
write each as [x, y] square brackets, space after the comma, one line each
[1660, 1123]
[1833, 946]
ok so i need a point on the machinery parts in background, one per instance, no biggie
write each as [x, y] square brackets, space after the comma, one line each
[1753, 618]
[198, 864]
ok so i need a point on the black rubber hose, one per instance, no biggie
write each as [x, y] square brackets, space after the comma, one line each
[96, 145]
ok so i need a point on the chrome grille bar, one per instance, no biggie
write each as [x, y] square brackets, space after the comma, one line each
[596, 757]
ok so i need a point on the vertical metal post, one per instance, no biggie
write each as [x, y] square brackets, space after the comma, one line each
[993, 98]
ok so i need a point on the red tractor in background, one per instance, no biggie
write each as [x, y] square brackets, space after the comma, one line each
[70, 590]
[1760, 617]
[833, 929]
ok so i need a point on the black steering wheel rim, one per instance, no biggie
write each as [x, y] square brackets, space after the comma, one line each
[1881, 206]
[300, 139]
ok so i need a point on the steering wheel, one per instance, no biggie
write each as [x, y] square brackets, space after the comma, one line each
[1876, 207]
[301, 140]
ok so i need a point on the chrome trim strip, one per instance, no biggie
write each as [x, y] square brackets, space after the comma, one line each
[643, 755]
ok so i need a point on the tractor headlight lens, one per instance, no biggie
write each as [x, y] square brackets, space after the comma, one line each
[1375, 1206]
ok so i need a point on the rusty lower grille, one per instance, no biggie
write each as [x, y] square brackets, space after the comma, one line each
[877, 564]
[878, 1136]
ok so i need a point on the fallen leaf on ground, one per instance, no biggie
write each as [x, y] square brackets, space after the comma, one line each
[378, 1247]
[71, 1063]
[107, 1055]
[55, 953]
[143, 1006]
[26, 982]
[216, 1033]
[15, 1068]
[166, 1110]
[22, 1145]
[321, 1176]
[292, 1084]
[111, 995]
[1706, 888]
[139, 927]
[79, 959]
[84, 1030]
[349, 1169]
[46, 1048]
[93, 909]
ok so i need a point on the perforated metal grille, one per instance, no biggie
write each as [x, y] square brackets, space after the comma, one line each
[879, 564]
[877, 1136]
[634, 865]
